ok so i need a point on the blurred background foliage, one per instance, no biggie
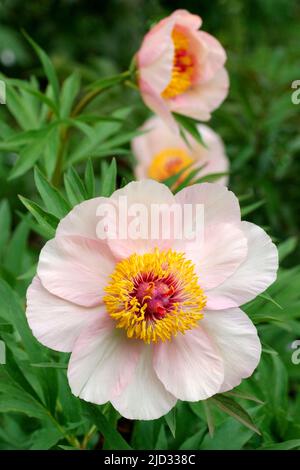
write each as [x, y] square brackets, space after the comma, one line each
[257, 121]
[260, 128]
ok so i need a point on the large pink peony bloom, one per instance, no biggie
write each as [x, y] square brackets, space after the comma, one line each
[181, 69]
[149, 322]
[161, 154]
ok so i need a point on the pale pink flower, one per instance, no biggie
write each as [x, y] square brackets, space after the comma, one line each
[181, 69]
[150, 322]
[161, 154]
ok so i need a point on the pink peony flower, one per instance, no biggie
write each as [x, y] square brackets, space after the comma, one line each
[161, 154]
[149, 321]
[181, 69]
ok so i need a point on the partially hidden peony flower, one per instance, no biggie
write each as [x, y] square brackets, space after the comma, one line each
[149, 321]
[181, 69]
[161, 154]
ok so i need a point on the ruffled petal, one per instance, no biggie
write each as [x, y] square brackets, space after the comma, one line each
[82, 219]
[145, 397]
[140, 198]
[236, 339]
[254, 275]
[76, 269]
[222, 251]
[220, 204]
[102, 363]
[190, 367]
[55, 322]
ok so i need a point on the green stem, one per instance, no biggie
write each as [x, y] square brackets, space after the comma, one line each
[88, 437]
[60, 158]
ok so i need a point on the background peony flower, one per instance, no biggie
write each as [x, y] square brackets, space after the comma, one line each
[161, 154]
[121, 307]
[181, 69]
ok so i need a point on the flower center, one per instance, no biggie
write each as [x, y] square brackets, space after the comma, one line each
[155, 295]
[168, 162]
[183, 66]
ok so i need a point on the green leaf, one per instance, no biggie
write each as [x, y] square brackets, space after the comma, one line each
[51, 365]
[29, 274]
[16, 249]
[53, 200]
[24, 86]
[12, 311]
[89, 179]
[191, 126]
[19, 109]
[287, 445]
[232, 408]
[287, 247]
[75, 189]
[229, 435]
[24, 138]
[174, 178]
[111, 436]
[45, 438]
[47, 66]
[101, 131]
[251, 208]
[193, 442]
[209, 417]
[244, 396]
[211, 177]
[188, 179]
[170, 419]
[162, 439]
[267, 297]
[5, 224]
[70, 90]
[47, 221]
[109, 179]
[120, 139]
[108, 82]
[30, 155]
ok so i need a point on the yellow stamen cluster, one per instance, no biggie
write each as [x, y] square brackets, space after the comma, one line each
[168, 162]
[167, 268]
[183, 66]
